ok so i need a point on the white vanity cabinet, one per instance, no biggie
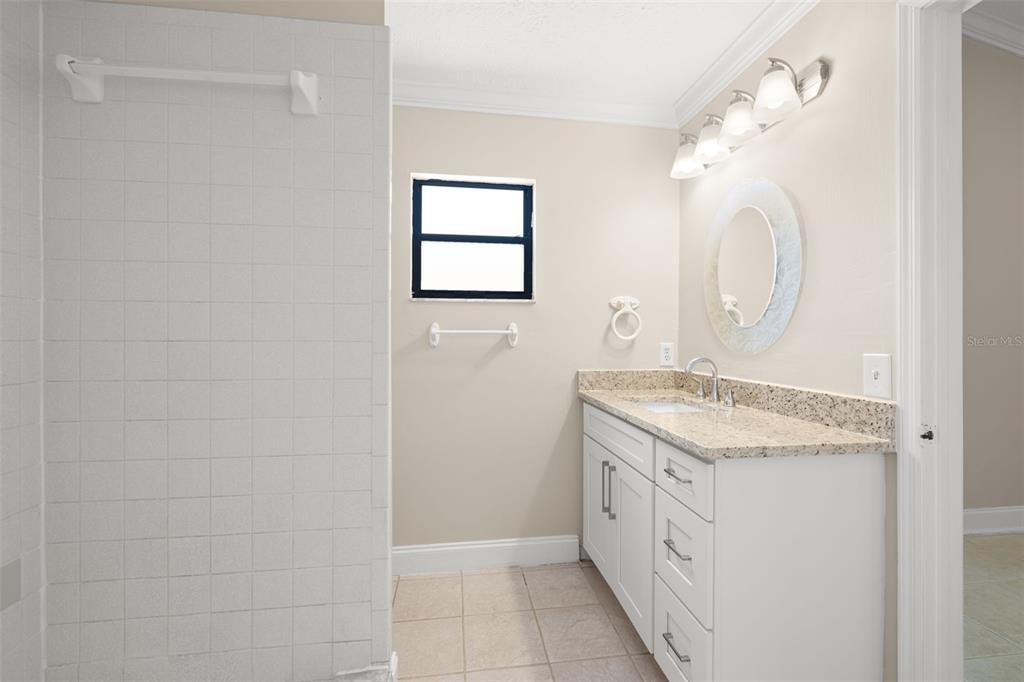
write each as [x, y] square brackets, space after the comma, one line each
[749, 568]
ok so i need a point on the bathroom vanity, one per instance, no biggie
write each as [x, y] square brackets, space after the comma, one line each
[743, 543]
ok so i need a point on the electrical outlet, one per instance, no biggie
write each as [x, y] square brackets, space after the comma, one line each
[878, 375]
[666, 354]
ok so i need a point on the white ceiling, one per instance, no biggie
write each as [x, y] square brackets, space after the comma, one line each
[616, 61]
[1007, 11]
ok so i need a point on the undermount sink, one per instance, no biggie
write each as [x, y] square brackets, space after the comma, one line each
[667, 406]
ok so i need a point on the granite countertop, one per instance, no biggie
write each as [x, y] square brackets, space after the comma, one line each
[718, 432]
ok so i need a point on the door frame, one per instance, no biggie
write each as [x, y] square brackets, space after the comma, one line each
[930, 370]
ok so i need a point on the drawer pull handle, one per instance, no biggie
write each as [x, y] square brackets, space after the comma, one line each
[672, 474]
[605, 508]
[671, 544]
[668, 640]
[611, 514]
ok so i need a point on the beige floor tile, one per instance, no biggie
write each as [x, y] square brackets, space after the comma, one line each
[604, 594]
[997, 605]
[627, 633]
[564, 586]
[532, 673]
[979, 641]
[618, 669]
[503, 640]
[993, 558]
[648, 668]
[428, 647]
[454, 677]
[422, 598]
[495, 593]
[995, 669]
[578, 632]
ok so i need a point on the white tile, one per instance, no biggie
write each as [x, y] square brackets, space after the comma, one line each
[351, 584]
[231, 515]
[189, 478]
[61, 158]
[102, 400]
[231, 631]
[273, 206]
[188, 634]
[188, 400]
[313, 168]
[189, 556]
[231, 476]
[272, 129]
[188, 242]
[145, 480]
[231, 204]
[231, 592]
[145, 241]
[145, 121]
[231, 438]
[231, 165]
[232, 127]
[189, 595]
[272, 627]
[313, 321]
[231, 321]
[146, 637]
[145, 281]
[232, 50]
[146, 597]
[188, 321]
[102, 200]
[352, 509]
[230, 399]
[272, 52]
[231, 244]
[312, 511]
[106, 121]
[231, 282]
[145, 161]
[272, 167]
[232, 553]
[312, 624]
[102, 520]
[188, 517]
[188, 439]
[313, 208]
[230, 360]
[272, 589]
[190, 47]
[146, 44]
[188, 203]
[189, 163]
[312, 548]
[102, 160]
[145, 201]
[271, 551]
[189, 124]
[271, 513]
[104, 640]
[148, 519]
[102, 480]
[145, 400]
[353, 58]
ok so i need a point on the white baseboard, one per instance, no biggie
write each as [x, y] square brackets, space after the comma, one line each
[458, 556]
[991, 520]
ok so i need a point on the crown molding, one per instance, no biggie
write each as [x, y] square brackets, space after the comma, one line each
[1002, 34]
[441, 96]
[776, 19]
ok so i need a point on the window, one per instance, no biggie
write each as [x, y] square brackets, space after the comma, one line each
[472, 239]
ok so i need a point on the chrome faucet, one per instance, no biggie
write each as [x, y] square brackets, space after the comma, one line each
[714, 374]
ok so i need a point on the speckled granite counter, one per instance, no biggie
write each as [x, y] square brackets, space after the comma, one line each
[760, 425]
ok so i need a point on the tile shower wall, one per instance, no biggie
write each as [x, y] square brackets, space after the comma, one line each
[216, 352]
[21, 460]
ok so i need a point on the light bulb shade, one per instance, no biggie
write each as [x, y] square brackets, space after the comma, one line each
[776, 96]
[685, 166]
[739, 125]
[710, 148]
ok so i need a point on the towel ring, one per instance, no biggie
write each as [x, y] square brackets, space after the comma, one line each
[625, 305]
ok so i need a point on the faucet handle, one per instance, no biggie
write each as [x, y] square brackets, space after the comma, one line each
[730, 399]
[700, 389]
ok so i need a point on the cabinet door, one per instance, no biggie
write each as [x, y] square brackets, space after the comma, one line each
[632, 506]
[598, 528]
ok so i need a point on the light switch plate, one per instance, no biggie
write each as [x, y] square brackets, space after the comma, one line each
[878, 375]
[666, 354]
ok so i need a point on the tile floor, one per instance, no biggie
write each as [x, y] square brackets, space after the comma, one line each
[994, 608]
[549, 623]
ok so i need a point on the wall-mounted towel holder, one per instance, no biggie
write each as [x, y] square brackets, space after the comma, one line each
[625, 305]
[85, 76]
[511, 333]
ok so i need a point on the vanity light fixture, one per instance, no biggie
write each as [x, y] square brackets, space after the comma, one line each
[777, 95]
[739, 125]
[710, 148]
[781, 92]
[685, 165]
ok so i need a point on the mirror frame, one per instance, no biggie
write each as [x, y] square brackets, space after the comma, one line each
[774, 204]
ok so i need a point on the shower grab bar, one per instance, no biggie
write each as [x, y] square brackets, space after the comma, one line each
[511, 333]
[86, 79]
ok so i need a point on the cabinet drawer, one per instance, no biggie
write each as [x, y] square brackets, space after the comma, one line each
[632, 445]
[684, 550]
[682, 648]
[686, 478]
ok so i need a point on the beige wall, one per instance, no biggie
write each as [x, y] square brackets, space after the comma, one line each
[993, 283]
[486, 439]
[837, 160]
[348, 11]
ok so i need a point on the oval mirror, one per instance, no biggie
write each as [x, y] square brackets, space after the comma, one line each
[746, 266]
[753, 266]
